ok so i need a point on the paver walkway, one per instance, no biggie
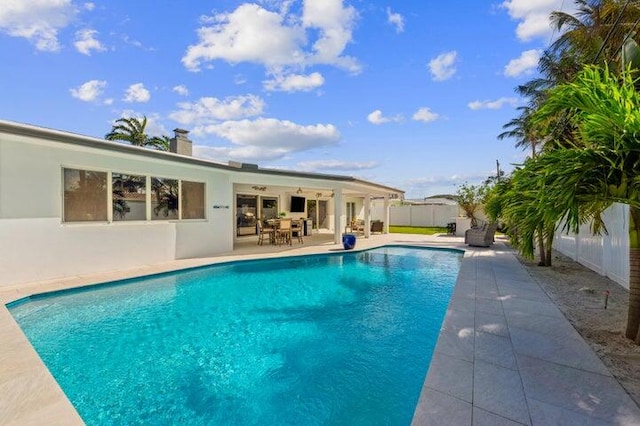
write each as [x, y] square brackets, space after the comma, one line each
[507, 356]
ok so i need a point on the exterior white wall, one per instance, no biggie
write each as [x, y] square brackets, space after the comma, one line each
[36, 245]
[41, 248]
[607, 254]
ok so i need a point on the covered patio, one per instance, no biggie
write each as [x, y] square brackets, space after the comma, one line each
[325, 203]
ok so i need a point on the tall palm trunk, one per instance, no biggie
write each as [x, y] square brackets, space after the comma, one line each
[541, 249]
[549, 246]
[633, 316]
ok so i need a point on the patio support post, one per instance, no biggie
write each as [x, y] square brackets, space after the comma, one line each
[316, 220]
[367, 215]
[385, 213]
[337, 216]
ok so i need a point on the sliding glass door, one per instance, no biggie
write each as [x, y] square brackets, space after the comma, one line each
[246, 214]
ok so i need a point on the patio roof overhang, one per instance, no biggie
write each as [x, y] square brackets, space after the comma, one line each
[309, 184]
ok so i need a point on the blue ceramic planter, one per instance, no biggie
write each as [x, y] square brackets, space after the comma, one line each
[348, 241]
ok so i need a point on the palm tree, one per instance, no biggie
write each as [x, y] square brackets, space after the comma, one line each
[133, 130]
[520, 129]
[596, 32]
[583, 179]
[599, 31]
[161, 143]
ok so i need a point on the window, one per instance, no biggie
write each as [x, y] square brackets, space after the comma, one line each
[87, 193]
[351, 211]
[129, 197]
[269, 208]
[311, 210]
[85, 196]
[192, 200]
[164, 199]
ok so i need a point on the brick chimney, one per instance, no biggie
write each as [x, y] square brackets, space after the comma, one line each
[180, 143]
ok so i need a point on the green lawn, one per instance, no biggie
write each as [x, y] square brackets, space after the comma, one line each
[429, 230]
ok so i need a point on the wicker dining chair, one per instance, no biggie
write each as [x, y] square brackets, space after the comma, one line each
[283, 232]
[262, 231]
[298, 230]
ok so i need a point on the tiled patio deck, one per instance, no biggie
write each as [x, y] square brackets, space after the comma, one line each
[505, 356]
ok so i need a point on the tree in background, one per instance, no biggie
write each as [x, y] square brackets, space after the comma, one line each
[470, 198]
[133, 130]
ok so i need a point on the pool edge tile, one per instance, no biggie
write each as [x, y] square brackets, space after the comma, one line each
[31, 396]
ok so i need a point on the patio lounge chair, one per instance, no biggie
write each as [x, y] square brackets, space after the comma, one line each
[356, 226]
[481, 237]
[377, 226]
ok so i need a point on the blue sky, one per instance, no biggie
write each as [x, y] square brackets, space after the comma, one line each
[410, 94]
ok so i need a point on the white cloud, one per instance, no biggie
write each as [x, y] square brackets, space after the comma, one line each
[89, 91]
[238, 37]
[396, 20]
[334, 22]
[273, 133]
[86, 42]
[431, 185]
[208, 110]
[136, 43]
[425, 115]
[341, 165]
[137, 93]
[265, 138]
[295, 82]
[443, 66]
[251, 154]
[497, 104]
[218, 153]
[37, 20]
[525, 64]
[89, 6]
[181, 90]
[533, 16]
[376, 117]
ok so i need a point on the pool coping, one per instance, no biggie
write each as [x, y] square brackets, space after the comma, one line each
[486, 365]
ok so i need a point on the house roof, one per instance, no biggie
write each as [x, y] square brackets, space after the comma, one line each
[21, 129]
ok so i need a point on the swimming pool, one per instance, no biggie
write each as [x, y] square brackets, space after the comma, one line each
[326, 339]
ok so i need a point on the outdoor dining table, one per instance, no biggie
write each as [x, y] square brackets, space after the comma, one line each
[274, 224]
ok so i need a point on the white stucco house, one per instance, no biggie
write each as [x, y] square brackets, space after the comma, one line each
[73, 204]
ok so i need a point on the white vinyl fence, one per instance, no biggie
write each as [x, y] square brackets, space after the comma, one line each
[418, 215]
[606, 254]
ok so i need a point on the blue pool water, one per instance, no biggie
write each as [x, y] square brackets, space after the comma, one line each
[329, 339]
